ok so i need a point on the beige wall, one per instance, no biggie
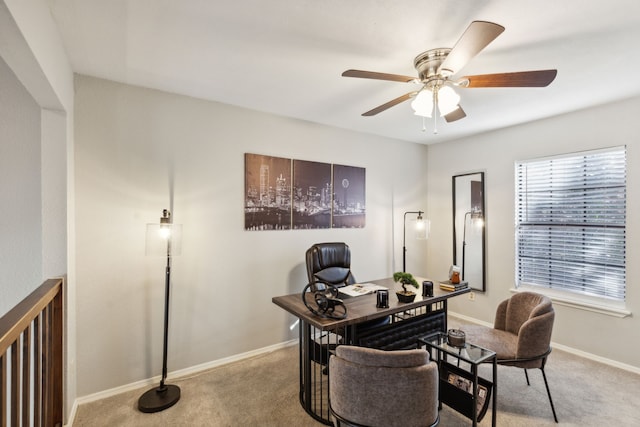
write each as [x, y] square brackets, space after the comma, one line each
[495, 153]
[20, 189]
[133, 147]
[31, 47]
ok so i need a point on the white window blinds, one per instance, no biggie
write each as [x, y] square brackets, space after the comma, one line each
[570, 223]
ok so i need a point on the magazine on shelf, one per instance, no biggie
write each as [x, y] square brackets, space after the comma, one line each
[466, 385]
[360, 289]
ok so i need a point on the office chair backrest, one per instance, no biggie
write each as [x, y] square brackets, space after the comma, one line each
[331, 263]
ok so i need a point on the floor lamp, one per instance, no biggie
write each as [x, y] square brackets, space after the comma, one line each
[475, 216]
[163, 238]
[422, 229]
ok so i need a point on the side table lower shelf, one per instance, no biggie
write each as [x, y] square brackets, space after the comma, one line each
[456, 391]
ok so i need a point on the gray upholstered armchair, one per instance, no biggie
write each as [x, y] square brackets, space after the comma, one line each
[370, 387]
[521, 335]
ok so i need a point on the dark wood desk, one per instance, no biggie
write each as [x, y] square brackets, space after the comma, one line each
[319, 336]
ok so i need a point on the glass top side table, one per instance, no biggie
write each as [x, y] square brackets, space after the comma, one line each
[470, 353]
[459, 386]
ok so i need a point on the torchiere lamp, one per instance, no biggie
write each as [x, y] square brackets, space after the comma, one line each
[476, 216]
[422, 231]
[163, 238]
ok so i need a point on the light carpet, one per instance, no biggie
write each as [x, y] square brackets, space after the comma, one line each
[263, 391]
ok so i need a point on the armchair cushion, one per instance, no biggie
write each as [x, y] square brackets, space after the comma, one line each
[504, 343]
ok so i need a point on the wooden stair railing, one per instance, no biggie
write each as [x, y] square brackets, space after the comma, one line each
[31, 359]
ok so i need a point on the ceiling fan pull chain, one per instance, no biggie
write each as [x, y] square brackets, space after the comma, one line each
[424, 124]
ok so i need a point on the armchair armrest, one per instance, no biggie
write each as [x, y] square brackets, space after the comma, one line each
[534, 336]
[500, 321]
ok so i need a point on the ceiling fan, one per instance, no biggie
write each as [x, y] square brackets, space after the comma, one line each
[436, 71]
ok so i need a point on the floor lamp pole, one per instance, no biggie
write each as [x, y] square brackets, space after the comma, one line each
[167, 290]
[165, 395]
[404, 245]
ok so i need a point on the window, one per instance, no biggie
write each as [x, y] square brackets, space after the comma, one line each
[570, 223]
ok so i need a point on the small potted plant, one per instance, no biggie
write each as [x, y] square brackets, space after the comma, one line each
[405, 279]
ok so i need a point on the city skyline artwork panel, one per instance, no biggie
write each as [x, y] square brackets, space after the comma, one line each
[349, 205]
[267, 201]
[284, 194]
[311, 194]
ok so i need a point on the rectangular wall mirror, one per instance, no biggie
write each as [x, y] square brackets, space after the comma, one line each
[469, 215]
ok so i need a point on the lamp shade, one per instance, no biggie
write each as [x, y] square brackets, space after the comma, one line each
[448, 100]
[163, 239]
[422, 228]
[477, 219]
[423, 103]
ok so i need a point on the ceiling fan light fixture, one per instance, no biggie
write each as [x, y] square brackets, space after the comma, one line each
[437, 70]
[448, 100]
[423, 103]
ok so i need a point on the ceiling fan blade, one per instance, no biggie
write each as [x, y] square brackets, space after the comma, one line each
[378, 76]
[475, 38]
[456, 114]
[540, 78]
[389, 104]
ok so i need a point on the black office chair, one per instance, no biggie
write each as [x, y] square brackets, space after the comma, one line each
[331, 263]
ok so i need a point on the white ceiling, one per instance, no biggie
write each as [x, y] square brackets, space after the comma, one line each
[285, 56]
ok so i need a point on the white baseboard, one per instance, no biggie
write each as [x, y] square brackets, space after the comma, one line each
[72, 414]
[469, 319]
[182, 373]
[574, 351]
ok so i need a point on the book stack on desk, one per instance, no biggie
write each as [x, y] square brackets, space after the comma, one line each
[448, 286]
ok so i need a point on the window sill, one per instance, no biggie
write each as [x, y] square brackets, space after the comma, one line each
[586, 304]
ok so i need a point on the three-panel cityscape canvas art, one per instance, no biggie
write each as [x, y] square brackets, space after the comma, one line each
[285, 194]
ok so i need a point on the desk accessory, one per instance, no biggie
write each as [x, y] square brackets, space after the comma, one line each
[427, 288]
[382, 299]
[447, 285]
[405, 279]
[454, 274]
[456, 338]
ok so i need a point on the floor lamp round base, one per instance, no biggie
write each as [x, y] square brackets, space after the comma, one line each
[158, 399]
